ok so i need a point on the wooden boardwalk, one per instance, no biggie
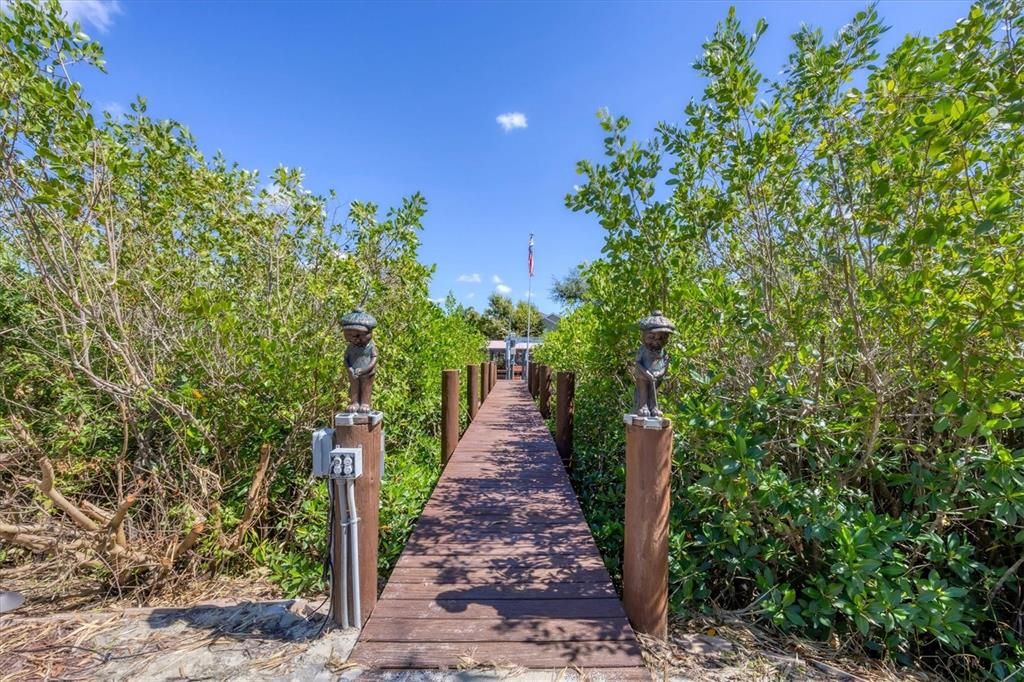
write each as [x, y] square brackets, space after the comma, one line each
[501, 568]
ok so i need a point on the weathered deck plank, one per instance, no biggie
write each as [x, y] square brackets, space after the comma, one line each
[502, 568]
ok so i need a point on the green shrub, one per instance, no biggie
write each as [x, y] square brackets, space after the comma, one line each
[166, 316]
[844, 261]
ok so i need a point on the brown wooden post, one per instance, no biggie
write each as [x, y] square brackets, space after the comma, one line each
[544, 389]
[494, 373]
[645, 556]
[531, 372]
[366, 435]
[472, 390]
[449, 413]
[565, 408]
[483, 382]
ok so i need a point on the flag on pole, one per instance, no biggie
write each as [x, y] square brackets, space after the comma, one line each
[530, 257]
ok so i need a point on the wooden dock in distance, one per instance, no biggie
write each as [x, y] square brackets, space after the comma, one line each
[501, 568]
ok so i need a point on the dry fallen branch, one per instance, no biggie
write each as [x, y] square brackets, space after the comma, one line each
[253, 502]
[97, 514]
[26, 539]
[47, 487]
[117, 520]
[95, 537]
[187, 543]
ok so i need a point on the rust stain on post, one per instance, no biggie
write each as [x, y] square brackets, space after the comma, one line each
[565, 408]
[645, 556]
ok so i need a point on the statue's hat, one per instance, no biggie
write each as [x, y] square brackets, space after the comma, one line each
[358, 319]
[657, 322]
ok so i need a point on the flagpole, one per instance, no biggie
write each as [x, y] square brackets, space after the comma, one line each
[529, 311]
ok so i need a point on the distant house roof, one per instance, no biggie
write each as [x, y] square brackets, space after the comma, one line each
[499, 345]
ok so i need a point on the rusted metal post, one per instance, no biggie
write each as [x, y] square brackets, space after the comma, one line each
[449, 413]
[472, 390]
[565, 408]
[544, 389]
[365, 433]
[645, 556]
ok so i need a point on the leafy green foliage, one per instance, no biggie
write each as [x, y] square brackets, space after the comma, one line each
[571, 290]
[165, 316]
[502, 317]
[842, 252]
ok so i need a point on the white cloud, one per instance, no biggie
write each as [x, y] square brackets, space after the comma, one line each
[503, 289]
[439, 300]
[98, 13]
[272, 199]
[511, 121]
[496, 279]
[115, 110]
[473, 278]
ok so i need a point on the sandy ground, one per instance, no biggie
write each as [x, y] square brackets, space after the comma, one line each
[288, 640]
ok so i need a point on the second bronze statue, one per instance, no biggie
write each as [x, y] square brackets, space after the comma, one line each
[651, 363]
[360, 358]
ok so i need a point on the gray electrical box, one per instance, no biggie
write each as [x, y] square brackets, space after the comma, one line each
[323, 443]
[332, 462]
[346, 463]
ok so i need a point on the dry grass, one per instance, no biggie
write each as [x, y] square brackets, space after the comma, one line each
[49, 589]
[706, 650]
[502, 669]
[53, 634]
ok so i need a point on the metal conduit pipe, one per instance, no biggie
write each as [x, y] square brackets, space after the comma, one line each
[354, 536]
[339, 504]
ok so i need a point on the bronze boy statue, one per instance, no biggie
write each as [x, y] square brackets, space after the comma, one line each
[651, 363]
[360, 358]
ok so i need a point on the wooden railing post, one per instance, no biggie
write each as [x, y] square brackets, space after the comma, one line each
[565, 408]
[544, 389]
[645, 556]
[483, 382]
[449, 413]
[472, 390]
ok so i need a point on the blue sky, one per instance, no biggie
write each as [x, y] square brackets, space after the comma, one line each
[382, 100]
